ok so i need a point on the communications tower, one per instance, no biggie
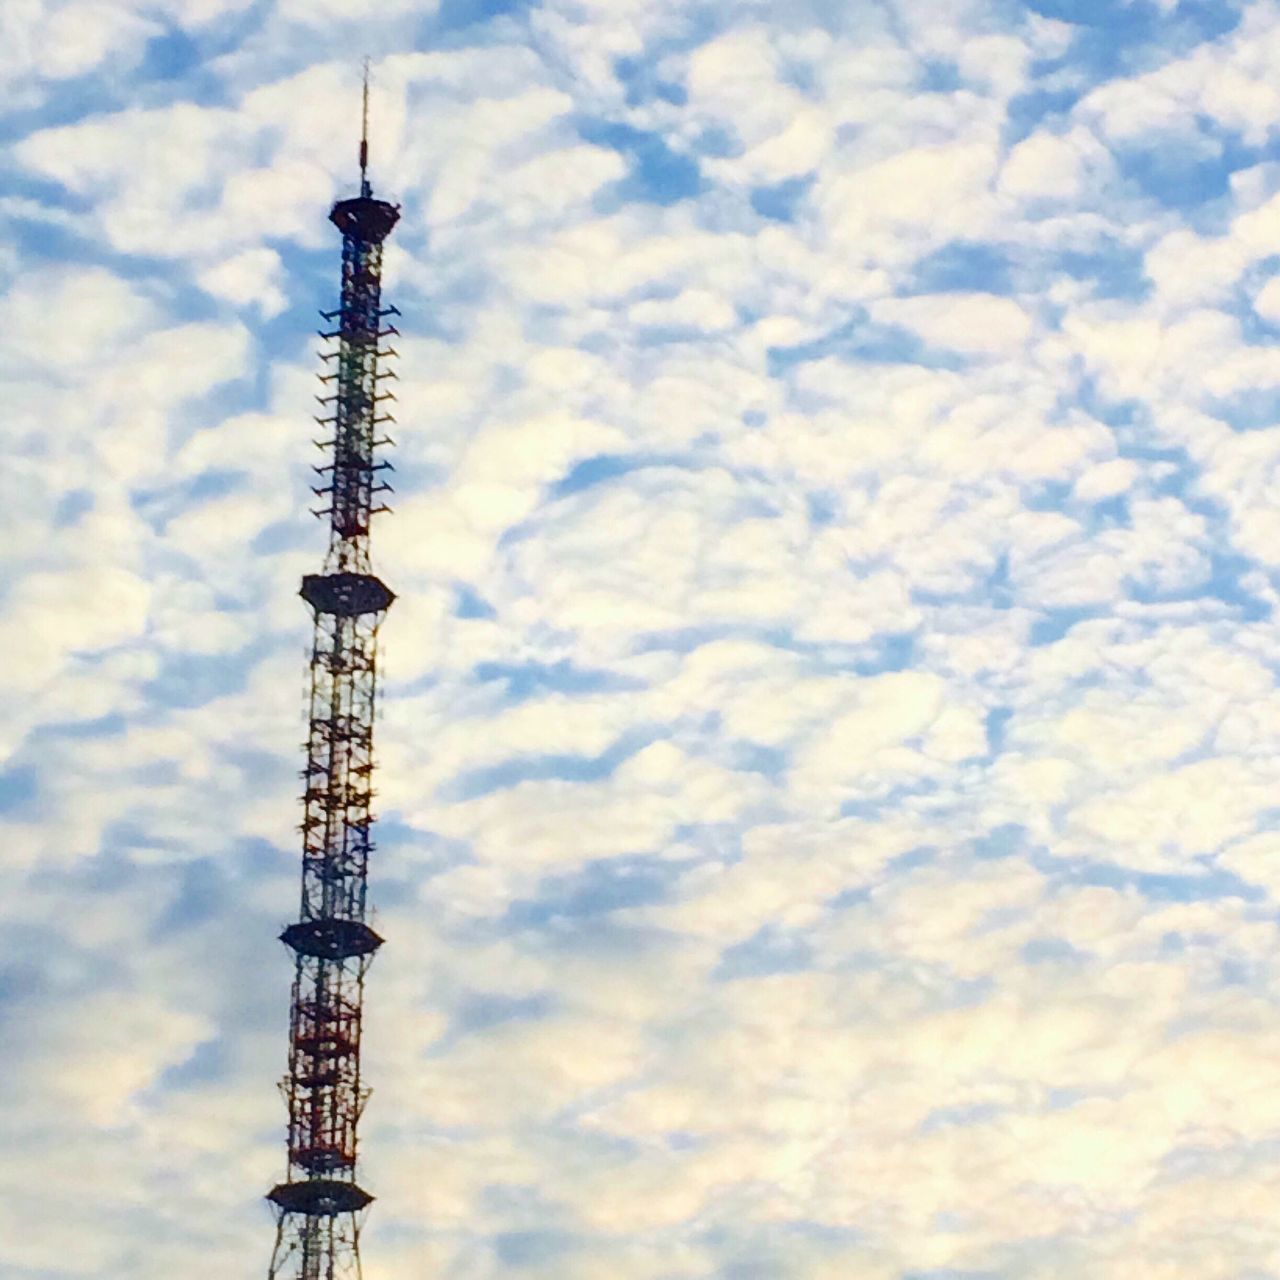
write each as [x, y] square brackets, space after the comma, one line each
[319, 1207]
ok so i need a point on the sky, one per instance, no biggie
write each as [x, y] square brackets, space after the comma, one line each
[830, 741]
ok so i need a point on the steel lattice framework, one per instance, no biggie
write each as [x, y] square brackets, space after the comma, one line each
[320, 1206]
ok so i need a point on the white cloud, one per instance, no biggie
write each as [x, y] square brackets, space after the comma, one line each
[1047, 166]
[910, 200]
[99, 313]
[1224, 80]
[1106, 480]
[320, 13]
[252, 278]
[1267, 301]
[975, 322]
[60, 39]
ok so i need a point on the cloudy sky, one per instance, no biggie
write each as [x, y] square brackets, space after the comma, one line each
[831, 746]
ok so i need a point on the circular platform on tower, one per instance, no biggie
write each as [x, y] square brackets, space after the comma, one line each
[319, 1197]
[331, 939]
[365, 218]
[349, 595]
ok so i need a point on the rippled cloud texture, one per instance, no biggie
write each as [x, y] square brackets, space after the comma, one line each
[830, 765]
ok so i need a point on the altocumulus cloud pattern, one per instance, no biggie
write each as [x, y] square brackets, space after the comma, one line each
[829, 773]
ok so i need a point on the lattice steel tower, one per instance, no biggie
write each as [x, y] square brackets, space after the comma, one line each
[320, 1206]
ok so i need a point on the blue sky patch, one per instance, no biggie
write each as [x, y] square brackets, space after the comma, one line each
[601, 887]
[780, 202]
[659, 175]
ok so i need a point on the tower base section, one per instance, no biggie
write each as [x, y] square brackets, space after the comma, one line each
[319, 1197]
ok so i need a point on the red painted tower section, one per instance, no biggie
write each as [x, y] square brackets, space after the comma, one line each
[320, 1205]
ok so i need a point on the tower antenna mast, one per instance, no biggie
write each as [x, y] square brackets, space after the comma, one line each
[320, 1206]
[365, 189]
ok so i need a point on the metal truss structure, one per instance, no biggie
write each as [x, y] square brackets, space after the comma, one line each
[320, 1205]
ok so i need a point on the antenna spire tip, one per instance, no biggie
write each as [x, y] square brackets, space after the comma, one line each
[364, 134]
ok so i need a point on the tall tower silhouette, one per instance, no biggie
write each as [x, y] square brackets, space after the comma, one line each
[320, 1205]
